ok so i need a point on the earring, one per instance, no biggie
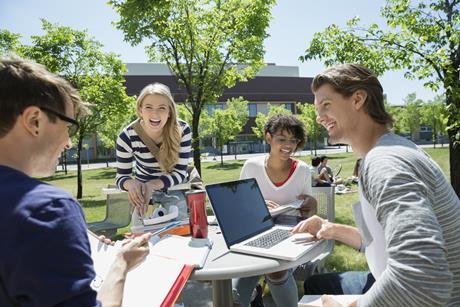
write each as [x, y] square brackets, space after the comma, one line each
[36, 132]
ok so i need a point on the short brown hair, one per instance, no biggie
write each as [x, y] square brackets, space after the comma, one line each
[346, 79]
[24, 83]
[289, 123]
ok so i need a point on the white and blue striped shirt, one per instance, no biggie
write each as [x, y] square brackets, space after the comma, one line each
[130, 148]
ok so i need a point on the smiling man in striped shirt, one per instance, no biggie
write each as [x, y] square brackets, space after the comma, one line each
[408, 217]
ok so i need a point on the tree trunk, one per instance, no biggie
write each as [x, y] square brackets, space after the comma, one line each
[454, 159]
[454, 148]
[79, 173]
[221, 155]
[196, 140]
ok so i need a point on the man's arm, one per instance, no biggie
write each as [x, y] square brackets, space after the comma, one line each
[417, 272]
[132, 253]
[323, 229]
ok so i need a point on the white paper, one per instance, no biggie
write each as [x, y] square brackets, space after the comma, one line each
[315, 300]
[183, 249]
[149, 283]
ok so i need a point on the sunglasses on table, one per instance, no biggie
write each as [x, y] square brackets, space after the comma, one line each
[73, 127]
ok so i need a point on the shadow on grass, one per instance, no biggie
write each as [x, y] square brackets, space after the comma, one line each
[58, 176]
[226, 166]
[108, 173]
[92, 203]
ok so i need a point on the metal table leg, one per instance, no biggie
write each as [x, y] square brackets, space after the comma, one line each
[222, 293]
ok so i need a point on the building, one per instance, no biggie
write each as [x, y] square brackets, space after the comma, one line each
[273, 84]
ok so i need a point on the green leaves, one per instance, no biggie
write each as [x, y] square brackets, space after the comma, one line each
[262, 119]
[9, 42]
[202, 42]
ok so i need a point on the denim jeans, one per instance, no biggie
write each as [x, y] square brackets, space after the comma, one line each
[176, 198]
[339, 283]
[283, 291]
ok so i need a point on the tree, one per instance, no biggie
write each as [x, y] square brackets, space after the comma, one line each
[226, 124]
[9, 42]
[313, 129]
[434, 114]
[201, 41]
[411, 116]
[423, 39]
[261, 119]
[97, 75]
[109, 130]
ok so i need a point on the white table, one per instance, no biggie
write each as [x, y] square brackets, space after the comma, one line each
[223, 265]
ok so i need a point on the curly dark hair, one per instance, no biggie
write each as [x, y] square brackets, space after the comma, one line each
[289, 123]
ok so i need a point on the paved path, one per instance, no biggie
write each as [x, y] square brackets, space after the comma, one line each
[211, 158]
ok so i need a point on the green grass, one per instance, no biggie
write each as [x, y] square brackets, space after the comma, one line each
[343, 257]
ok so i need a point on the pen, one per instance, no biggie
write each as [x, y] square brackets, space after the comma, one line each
[159, 231]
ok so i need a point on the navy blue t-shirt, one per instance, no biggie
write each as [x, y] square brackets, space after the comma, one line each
[45, 257]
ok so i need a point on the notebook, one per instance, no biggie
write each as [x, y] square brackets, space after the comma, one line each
[245, 222]
[161, 278]
[187, 250]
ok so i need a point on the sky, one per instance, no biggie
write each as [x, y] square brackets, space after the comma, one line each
[291, 29]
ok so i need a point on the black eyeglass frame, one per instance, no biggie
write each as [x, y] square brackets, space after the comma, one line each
[75, 124]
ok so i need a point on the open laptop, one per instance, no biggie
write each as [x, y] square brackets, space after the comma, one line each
[245, 222]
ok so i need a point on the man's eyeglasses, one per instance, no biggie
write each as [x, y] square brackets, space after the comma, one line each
[285, 141]
[73, 127]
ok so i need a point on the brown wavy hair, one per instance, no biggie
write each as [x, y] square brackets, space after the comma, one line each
[346, 79]
[169, 150]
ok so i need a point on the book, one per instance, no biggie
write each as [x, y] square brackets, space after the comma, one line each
[315, 300]
[160, 277]
[183, 249]
[286, 207]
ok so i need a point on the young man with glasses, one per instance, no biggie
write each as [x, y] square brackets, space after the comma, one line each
[45, 258]
[282, 180]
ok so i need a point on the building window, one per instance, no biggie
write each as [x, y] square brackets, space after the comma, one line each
[252, 109]
[212, 107]
[289, 107]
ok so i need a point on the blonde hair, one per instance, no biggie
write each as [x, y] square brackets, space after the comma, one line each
[168, 155]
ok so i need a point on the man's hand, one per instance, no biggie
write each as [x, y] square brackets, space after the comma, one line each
[316, 226]
[328, 301]
[134, 251]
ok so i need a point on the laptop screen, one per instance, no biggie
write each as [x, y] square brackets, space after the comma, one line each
[240, 209]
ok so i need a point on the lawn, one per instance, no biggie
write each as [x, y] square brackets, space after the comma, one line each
[343, 257]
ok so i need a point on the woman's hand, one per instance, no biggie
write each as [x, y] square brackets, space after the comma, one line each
[309, 205]
[150, 186]
[271, 204]
[136, 194]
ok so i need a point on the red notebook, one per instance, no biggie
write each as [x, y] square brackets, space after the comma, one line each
[178, 285]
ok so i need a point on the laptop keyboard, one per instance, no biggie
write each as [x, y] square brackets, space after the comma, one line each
[270, 239]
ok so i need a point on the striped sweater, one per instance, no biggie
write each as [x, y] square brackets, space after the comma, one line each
[130, 148]
[412, 224]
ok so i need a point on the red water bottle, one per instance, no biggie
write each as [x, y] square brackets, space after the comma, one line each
[198, 219]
